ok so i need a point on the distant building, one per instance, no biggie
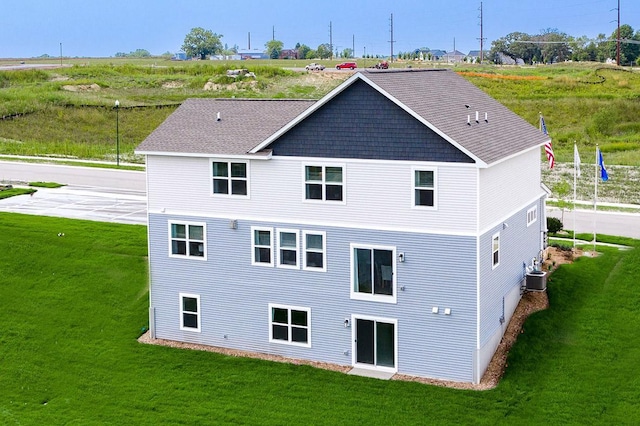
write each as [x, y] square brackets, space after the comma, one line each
[474, 55]
[454, 56]
[252, 54]
[180, 56]
[289, 54]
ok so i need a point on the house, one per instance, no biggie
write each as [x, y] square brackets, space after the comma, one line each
[474, 55]
[252, 54]
[288, 54]
[454, 56]
[386, 226]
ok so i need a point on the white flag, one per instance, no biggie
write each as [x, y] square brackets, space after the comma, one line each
[576, 159]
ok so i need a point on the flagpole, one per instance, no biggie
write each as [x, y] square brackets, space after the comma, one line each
[575, 176]
[595, 204]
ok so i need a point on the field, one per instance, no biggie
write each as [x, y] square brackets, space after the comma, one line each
[69, 112]
[73, 306]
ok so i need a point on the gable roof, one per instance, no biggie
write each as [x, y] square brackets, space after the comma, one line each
[440, 99]
[244, 123]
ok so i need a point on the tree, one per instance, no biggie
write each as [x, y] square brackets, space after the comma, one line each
[556, 46]
[324, 51]
[274, 48]
[628, 51]
[303, 51]
[347, 53]
[201, 42]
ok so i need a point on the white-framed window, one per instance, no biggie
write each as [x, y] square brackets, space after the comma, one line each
[324, 183]
[230, 178]
[190, 312]
[188, 239]
[261, 246]
[288, 248]
[424, 188]
[373, 273]
[495, 249]
[375, 343]
[290, 325]
[315, 251]
[532, 215]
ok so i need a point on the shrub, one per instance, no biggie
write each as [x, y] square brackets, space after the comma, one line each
[554, 225]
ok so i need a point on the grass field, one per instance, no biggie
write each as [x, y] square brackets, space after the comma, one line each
[72, 307]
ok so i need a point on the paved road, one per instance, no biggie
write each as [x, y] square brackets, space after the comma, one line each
[12, 171]
[610, 223]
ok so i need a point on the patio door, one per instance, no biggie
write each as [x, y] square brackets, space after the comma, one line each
[374, 343]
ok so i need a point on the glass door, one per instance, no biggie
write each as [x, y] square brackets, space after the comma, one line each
[375, 343]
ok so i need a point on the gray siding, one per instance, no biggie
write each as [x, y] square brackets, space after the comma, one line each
[519, 243]
[362, 123]
[438, 271]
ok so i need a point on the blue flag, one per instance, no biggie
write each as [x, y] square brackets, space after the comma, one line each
[603, 171]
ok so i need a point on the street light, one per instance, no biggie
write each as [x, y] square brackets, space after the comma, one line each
[117, 134]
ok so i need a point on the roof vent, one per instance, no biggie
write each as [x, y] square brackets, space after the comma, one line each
[218, 118]
[477, 117]
[469, 119]
[486, 117]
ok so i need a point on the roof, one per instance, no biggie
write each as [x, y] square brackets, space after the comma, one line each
[440, 99]
[445, 101]
[244, 123]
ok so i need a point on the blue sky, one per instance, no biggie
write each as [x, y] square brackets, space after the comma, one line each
[90, 28]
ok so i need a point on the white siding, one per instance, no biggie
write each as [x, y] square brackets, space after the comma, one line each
[506, 187]
[376, 192]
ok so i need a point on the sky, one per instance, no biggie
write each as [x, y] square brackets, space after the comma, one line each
[97, 28]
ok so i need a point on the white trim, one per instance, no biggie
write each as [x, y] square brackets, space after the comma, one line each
[415, 169]
[324, 251]
[290, 308]
[494, 264]
[393, 298]
[303, 223]
[198, 314]
[509, 215]
[187, 224]
[515, 154]
[296, 232]
[354, 326]
[417, 163]
[323, 183]
[257, 156]
[253, 246]
[230, 179]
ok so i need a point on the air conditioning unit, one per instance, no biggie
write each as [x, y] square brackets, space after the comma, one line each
[536, 281]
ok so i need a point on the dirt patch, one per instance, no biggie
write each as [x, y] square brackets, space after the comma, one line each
[81, 88]
[530, 303]
[173, 85]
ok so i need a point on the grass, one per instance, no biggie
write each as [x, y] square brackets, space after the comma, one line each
[7, 193]
[46, 184]
[72, 307]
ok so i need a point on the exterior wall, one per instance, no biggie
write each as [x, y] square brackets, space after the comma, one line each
[506, 187]
[234, 295]
[377, 192]
[500, 286]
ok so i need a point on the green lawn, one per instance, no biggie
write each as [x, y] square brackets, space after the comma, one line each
[72, 307]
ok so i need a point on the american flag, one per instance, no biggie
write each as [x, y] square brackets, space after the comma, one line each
[548, 149]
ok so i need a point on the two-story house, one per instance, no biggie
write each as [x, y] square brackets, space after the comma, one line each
[386, 226]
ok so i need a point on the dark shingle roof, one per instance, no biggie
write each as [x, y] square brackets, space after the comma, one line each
[440, 97]
[244, 123]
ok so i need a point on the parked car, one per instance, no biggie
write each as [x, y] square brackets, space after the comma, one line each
[382, 65]
[349, 65]
[314, 67]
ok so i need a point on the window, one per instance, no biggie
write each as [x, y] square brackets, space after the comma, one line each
[373, 273]
[187, 240]
[495, 249]
[262, 246]
[288, 248]
[189, 312]
[314, 250]
[424, 184]
[324, 183]
[230, 178]
[290, 325]
[532, 215]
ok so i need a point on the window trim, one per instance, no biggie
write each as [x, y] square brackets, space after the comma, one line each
[187, 224]
[533, 213]
[415, 169]
[324, 183]
[305, 250]
[229, 179]
[182, 311]
[495, 251]
[289, 308]
[279, 264]
[253, 246]
[393, 298]
[376, 319]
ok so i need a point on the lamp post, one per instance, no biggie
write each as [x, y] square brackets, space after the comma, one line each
[117, 134]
